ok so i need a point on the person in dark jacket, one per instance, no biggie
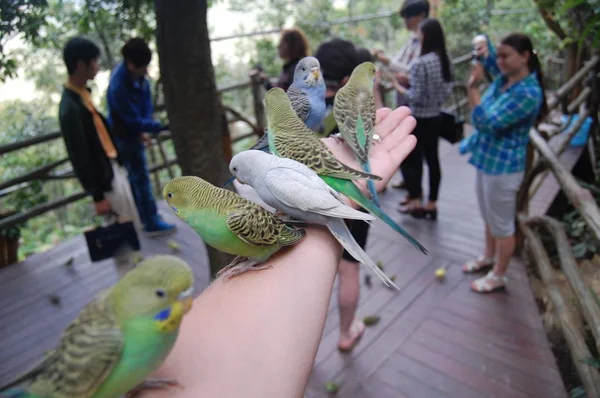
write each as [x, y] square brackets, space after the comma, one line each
[97, 163]
[131, 115]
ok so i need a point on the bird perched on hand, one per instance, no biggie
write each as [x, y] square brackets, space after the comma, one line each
[230, 223]
[296, 190]
[354, 112]
[307, 95]
[119, 338]
[290, 138]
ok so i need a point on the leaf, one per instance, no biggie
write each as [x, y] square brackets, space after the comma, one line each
[69, 262]
[379, 264]
[595, 362]
[173, 245]
[332, 387]
[371, 320]
[579, 249]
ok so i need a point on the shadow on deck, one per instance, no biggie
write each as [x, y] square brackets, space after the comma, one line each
[435, 339]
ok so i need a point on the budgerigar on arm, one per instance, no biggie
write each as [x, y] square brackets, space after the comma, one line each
[307, 95]
[294, 189]
[354, 112]
[230, 223]
[290, 138]
[119, 338]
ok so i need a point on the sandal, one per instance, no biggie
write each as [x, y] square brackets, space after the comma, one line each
[489, 283]
[479, 264]
[356, 331]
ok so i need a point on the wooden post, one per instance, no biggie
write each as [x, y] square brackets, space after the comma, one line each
[257, 100]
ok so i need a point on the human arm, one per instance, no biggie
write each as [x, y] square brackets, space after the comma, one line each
[509, 109]
[137, 119]
[257, 334]
[487, 58]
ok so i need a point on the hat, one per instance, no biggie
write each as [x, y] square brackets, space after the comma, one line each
[412, 8]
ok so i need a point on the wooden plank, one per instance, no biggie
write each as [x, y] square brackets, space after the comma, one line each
[501, 332]
[33, 324]
[523, 375]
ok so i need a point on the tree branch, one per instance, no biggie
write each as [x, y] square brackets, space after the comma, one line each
[552, 23]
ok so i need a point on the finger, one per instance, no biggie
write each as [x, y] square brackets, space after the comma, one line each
[388, 124]
[401, 151]
[405, 128]
[381, 114]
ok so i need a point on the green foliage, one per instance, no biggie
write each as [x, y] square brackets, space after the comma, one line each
[18, 17]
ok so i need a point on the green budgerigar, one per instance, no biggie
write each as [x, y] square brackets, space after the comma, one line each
[354, 112]
[230, 223]
[118, 339]
[290, 138]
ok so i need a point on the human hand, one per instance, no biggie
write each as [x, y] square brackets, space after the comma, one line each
[146, 139]
[402, 78]
[396, 142]
[102, 207]
[476, 75]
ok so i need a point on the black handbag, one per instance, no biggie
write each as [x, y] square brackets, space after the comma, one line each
[111, 240]
[451, 127]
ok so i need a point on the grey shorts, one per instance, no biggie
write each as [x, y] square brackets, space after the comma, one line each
[497, 197]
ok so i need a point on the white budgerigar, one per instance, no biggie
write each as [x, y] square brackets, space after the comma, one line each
[294, 189]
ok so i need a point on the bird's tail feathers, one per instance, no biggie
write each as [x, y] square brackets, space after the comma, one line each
[341, 232]
[370, 183]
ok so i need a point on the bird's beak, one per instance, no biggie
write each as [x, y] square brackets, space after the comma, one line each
[316, 72]
[229, 181]
[186, 299]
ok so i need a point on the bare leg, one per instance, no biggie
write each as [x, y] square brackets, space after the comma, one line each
[505, 250]
[348, 294]
[495, 278]
[151, 384]
[490, 243]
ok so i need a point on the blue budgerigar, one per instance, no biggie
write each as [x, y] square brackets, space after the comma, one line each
[307, 93]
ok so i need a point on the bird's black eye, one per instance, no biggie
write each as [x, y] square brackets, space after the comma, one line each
[170, 195]
[235, 169]
[160, 293]
[303, 69]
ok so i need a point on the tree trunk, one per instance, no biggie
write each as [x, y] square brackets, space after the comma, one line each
[191, 99]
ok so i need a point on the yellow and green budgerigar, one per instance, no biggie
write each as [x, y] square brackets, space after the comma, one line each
[230, 223]
[354, 112]
[118, 339]
[290, 138]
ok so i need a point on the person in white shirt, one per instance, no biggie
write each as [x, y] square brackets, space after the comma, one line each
[413, 12]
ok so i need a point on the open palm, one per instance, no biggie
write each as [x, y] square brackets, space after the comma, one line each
[396, 142]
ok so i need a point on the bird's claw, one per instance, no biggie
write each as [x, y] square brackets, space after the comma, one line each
[239, 265]
[151, 384]
[338, 137]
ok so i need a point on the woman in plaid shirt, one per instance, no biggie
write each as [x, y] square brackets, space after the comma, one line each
[503, 116]
[430, 79]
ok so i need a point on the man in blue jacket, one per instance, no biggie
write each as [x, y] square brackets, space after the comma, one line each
[131, 115]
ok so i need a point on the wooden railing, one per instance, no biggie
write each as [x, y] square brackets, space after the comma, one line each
[51, 172]
[547, 160]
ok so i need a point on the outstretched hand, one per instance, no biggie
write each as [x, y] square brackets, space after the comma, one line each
[396, 142]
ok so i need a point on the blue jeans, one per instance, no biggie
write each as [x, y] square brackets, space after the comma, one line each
[134, 160]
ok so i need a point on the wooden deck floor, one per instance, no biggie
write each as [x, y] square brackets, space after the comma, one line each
[434, 339]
